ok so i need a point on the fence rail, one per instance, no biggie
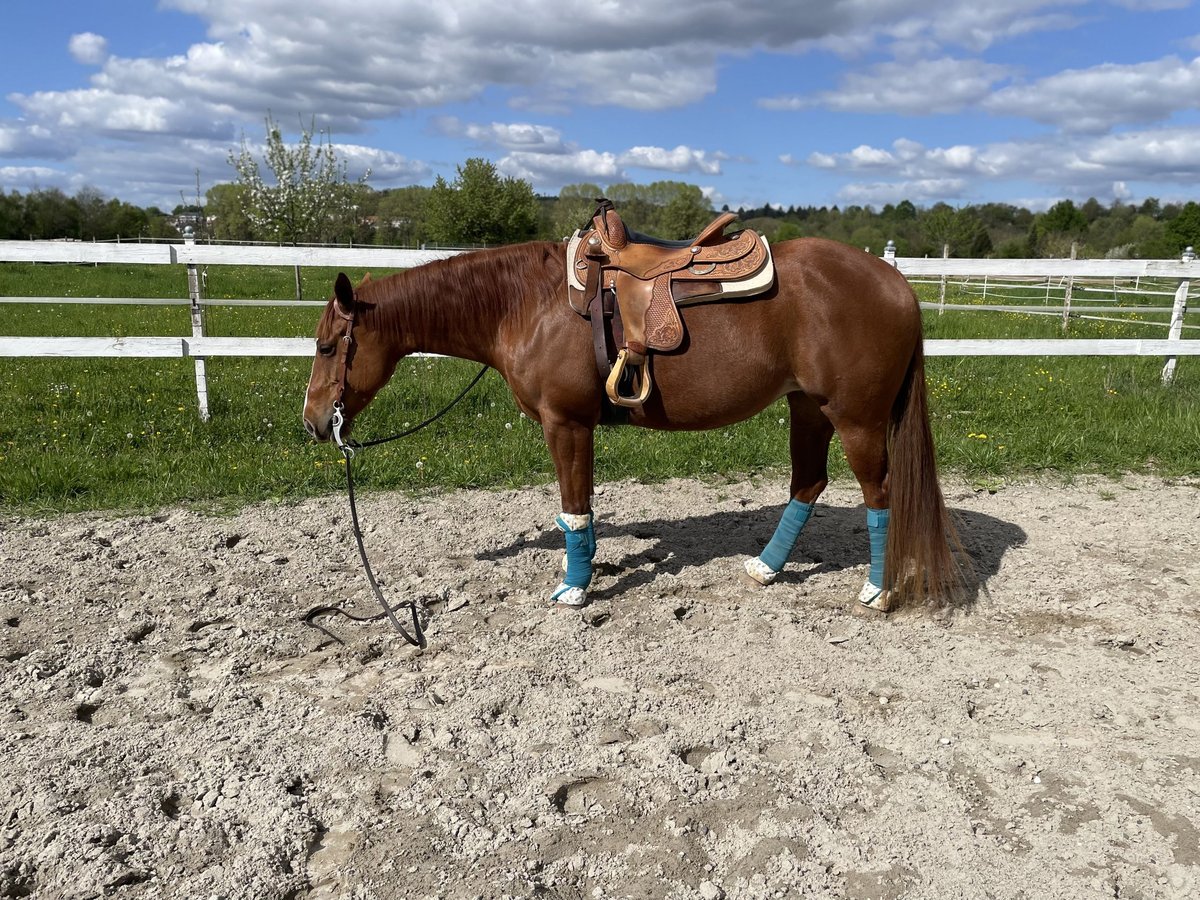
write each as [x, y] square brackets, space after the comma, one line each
[198, 346]
[217, 254]
[179, 347]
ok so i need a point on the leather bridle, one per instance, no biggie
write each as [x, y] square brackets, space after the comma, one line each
[345, 346]
[348, 448]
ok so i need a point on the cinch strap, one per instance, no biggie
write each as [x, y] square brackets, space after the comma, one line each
[786, 534]
[581, 548]
[877, 528]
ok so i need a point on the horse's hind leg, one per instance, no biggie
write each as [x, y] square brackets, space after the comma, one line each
[809, 440]
[866, 452]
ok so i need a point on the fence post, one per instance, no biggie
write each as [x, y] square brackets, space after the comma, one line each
[942, 289]
[1177, 314]
[194, 294]
[1070, 289]
[889, 252]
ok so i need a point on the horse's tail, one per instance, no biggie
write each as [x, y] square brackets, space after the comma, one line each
[922, 542]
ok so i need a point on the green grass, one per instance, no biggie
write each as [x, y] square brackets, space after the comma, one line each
[125, 434]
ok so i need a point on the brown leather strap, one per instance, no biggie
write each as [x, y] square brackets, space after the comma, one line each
[607, 335]
[599, 335]
[345, 346]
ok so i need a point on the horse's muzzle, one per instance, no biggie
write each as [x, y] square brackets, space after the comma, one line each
[318, 434]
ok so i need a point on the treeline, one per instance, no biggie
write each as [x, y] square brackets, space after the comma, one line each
[49, 213]
[1149, 230]
[479, 207]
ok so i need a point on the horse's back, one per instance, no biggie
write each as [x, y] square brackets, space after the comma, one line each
[825, 275]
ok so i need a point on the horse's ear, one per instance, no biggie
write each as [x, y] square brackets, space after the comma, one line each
[343, 293]
[366, 279]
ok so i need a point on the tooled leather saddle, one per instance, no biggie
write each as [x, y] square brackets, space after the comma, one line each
[649, 279]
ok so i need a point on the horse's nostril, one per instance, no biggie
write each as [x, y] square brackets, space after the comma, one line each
[310, 428]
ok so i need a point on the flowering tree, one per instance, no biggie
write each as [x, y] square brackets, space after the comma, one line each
[311, 198]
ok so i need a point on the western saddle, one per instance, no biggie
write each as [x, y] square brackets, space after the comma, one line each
[649, 279]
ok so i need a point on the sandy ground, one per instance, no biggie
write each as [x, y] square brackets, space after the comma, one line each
[170, 728]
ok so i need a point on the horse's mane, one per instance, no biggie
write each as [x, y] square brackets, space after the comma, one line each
[463, 292]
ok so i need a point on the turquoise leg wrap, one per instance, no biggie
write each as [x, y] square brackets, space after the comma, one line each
[877, 528]
[776, 553]
[581, 549]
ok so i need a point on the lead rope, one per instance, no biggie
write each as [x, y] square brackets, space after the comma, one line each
[349, 449]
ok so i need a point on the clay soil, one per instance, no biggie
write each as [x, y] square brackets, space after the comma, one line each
[169, 727]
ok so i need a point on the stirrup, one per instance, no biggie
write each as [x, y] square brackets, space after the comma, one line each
[612, 386]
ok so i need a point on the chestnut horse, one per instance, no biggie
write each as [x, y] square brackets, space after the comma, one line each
[839, 335]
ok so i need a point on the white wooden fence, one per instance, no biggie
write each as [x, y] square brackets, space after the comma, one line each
[199, 346]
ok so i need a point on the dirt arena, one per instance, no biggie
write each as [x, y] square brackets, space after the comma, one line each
[170, 728]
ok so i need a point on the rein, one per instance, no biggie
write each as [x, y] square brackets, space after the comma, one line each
[349, 450]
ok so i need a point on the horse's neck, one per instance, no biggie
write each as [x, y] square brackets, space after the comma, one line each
[453, 308]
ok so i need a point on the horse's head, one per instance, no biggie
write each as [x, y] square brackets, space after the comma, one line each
[352, 361]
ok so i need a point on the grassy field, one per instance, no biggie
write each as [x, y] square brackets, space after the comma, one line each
[124, 434]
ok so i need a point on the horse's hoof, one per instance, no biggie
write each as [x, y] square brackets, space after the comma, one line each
[760, 572]
[874, 598]
[566, 595]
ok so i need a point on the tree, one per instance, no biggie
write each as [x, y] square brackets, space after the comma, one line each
[962, 229]
[124, 220]
[1055, 230]
[481, 207]
[90, 203]
[311, 200]
[574, 207]
[228, 205]
[401, 215]
[1063, 217]
[786, 232]
[12, 216]
[51, 214]
[1184, 229]
[685, 212]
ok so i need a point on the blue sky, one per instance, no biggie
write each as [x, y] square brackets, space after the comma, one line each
[760, 101]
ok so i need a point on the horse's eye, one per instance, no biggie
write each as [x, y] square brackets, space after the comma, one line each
[326, 349]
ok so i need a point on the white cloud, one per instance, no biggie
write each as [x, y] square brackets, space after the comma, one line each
[506, 135]
[1061, 162]
[1165, 153]
[681, 159]
[387, 169]
[95, 110]
[31, 176]
[921, 87]
[863, 157]
[539, 154]
[1099, 98]
[22, 141]
[88, 48]
[923, 190]
[545, 170]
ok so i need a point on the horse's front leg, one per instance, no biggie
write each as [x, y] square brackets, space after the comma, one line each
[571, 448]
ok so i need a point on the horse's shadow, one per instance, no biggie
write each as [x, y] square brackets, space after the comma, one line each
[833, 540]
